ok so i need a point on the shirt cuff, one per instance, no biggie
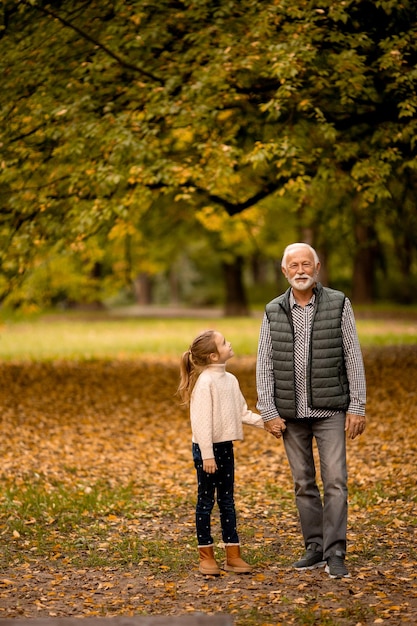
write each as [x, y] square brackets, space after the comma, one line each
[356, 409]
[270, 415]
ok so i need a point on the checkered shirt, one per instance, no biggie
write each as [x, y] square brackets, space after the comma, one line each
[302, 320]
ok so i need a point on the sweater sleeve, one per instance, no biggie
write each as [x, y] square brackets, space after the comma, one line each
[248, 416]
[201, 415]
[251, 418]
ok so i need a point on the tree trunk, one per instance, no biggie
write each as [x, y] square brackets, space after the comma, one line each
[309, 235]
[143, 289]
[236, 303]
[324, 267]
[174, 286]
[257, 266]
[364, 265]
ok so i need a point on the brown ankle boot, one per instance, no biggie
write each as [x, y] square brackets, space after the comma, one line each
[234, 563]
[208, 563]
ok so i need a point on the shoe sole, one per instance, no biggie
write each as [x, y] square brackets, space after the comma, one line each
[237, 570]
[310, 567]
[327, 570]
[206, 572]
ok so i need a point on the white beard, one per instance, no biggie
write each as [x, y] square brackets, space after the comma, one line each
[303, 285]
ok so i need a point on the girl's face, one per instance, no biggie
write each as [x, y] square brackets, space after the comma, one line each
[224, 349]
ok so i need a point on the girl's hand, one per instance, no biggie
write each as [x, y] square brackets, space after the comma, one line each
[276, 427]
[209, 466]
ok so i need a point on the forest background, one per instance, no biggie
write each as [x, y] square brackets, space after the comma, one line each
[166, 152]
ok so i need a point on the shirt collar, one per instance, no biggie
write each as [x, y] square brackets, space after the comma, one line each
[293, 302]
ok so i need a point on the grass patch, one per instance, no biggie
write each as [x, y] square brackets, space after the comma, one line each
[43, 339]
[158, 555]
[87, 527]
[122, 339]
[253, 616]
[65, 507]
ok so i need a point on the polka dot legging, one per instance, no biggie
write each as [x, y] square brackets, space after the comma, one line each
[222, 482]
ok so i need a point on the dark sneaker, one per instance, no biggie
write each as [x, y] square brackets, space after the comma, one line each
[336, 567]
[312, 558]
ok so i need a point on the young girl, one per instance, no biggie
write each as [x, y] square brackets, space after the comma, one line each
[217, 410]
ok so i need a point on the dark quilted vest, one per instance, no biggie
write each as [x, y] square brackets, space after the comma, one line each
[327, 383]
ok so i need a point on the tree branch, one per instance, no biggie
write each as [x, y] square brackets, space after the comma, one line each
[233, 208]
[27, 134]
[123, 62]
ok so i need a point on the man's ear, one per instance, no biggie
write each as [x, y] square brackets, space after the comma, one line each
[284, 271]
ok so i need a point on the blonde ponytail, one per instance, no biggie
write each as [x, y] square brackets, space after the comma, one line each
[193, 361]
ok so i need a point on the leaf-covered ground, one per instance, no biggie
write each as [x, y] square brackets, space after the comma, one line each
[98, 489]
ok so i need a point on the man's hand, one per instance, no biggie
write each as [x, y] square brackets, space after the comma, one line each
[276, 426]
[209, 466]
[354, 425]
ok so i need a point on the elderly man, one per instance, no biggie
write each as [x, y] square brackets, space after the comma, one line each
[311, 385]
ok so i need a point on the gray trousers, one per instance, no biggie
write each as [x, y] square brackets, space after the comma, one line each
[323, 520]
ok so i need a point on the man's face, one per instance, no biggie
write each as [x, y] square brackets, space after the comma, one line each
[300, 269]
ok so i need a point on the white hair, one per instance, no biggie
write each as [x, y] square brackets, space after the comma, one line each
[292, 247]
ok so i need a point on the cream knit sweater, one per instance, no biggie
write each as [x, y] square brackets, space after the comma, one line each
[218, 409]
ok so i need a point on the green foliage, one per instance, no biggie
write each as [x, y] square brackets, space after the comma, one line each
[145, 126]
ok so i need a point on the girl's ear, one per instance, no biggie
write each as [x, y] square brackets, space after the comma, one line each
[213, 357]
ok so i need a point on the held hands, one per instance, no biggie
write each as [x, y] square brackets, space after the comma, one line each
[354, 425]
[209, 466]
[276, 427]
